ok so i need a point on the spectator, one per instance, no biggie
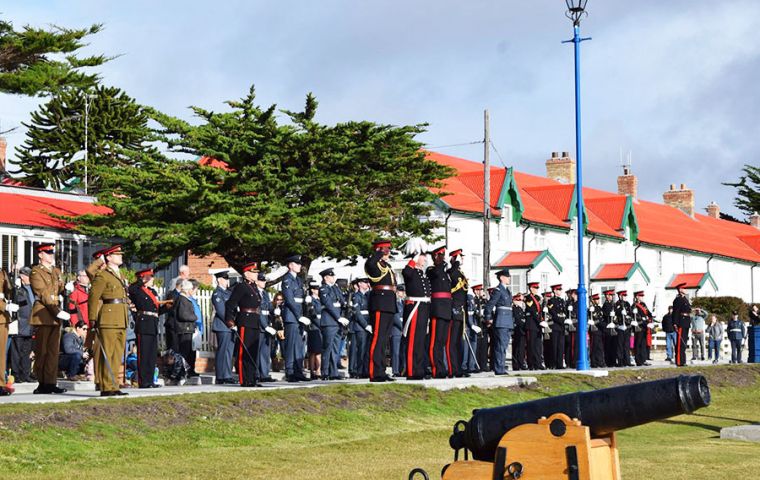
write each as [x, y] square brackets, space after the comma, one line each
[21, 342]
[72, 358]
[170, 322]
[279, 326]
[131, 365]
[754, 316]
[184, 313]
[173, 367]
[736, 333]
[715, 332]
[698, 334]
[670, 334]
[198, 333]
[77, 303]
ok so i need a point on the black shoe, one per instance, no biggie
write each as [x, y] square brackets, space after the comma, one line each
[292, 379]
[501, 373]
[268, 379]
[427, 376]
[119, 393]
[415, 377]
[154, 385]
[379, 379]
[336, 378]
[389, 379]
[107, 393]
[41, 389]
[56, 389]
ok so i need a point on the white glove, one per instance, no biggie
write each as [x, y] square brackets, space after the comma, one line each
[69, 287]
[611, 325]
[271, 331]
[277, 311]
[18, 283]
[651, 325]
[305, 321]
[569, 308]
[308, 300]
[544, 324]
[546, 309]
[63, 315]
[368, 328]
[625, 314]
[11, 307]
[591, 308]
[590, 322]
[343, 321]
[568, 322]
[634, 323]
[2, 296]
[476, 329]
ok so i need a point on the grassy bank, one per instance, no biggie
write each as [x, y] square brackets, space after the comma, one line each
[346, 432]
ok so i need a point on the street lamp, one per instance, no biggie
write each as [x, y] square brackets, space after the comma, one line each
[576, 10]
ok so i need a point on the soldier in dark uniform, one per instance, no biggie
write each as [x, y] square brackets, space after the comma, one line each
[610, 328]
[416, 315]
[519, 353]
[459, 288]
[682, 322]
[147, 310]
[440, 312]
[559, 315]
[571, 328]
[382, 307]
[331, 322]
[479, 300]
[397, 330]
[642, 318]
[225, 343]
[547, 331]
[266, 330]
[623, 315]
[313, 307]
[242, 310]
[534, 325]
[293, 316]
[358, 360]
[470, 343]
[7, 307]
[596, 332]
[500, 307]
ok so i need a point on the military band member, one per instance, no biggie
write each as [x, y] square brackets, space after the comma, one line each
[500, 307]
[397, 330]
[416, 314]
[596, 332]
[382, 306]
[225, 341]
[547, 331]
[440, 312]
[108, 304]
[682, 322]
[472, 331]
[610, 328]
[534, 326]
[479, 299]
[559, 320]
[266, 330]
[293, 317]
[519, 361]
[361, 331]
[243, 310]
[147, 309]
[624, 316]
[459, 289]
[571, 328]
[7, 307]
[643, 319]
[332, 321]
[313, 311]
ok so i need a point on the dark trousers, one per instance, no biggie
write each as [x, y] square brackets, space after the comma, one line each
[610, 348]
[597, 349]
[397, 359]
[248, 355]
[293, 353]
[21, 360]
[185, 344]
[736, 350]
[357, 354]
[482, 350]
[381, 329]
[624, 348]
[416, 356]
[439, 332]
[265, 359]
[640, 347]
[71, 363]
[535, 342]
[558, 348]
[469, 351]
[225, 345]
[682, 336]
[501, 337]
[330, 351]
[518, 349]
[571, 349]
[147, 350]
[454, 349]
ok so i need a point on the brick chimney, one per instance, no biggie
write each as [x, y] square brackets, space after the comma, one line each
[628, 184]
[561, 168]
[3, 147]
[680, 198]
[754, 220]
[713, 210]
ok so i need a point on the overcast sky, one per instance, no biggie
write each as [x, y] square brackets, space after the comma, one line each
[674, 82]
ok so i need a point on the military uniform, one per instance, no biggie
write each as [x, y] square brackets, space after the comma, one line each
[534, 316]
[610, 330]
[624, 316]
[397, 329]
[266, 335]
[243, 309]
[225, 342]
[682, 322]
[519, 352]
[333, 304]
[416, 318]
[459, 288]
[382, 307]
[500, 304]
[470, 341]
[440, 315]
[6, 308]
[642, 318]
[483, 336]
[596, 333]
[559, 314]
[147, 312]
[293, 315]
[571, 331]
[358, 356]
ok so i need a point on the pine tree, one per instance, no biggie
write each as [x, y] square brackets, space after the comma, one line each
[748, 190]
[52, 153]
[296, 186]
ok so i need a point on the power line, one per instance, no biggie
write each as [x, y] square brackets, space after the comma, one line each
[501, 160]
[457, 145]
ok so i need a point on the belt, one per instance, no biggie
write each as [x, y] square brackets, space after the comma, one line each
[417, 299]
[250, 310]
[2, 295]
[114, 300]
[441, 295]
[298, 300]
[389, 288]
[265, 312]
[504, 308]
[364, 312]
[336, 304]
[148, 314]
[735, 330]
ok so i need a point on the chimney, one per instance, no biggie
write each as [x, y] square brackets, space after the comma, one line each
[681, 198]
[754, 220]
[561, 168]
[3, 147]
[628, 183]
[713, 210]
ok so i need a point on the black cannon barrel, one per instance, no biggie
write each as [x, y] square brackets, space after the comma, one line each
[603, 411]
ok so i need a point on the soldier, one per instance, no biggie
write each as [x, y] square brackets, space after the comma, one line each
[333, 303]
[266, 331]
[440, 312]
[642, 319]
[382, 307]
[225, 343]
[547, 331]
[459, 288]
[7, 307]
[358, 361]
[313, 332]
[293, 315]
[481, 352]
[519, 334]
[147, 310]
[472, 330]
[243, 310]
[534, 326]
[21, 343]
[682, 321]
[397, 330]
[107, 306]
[47, 284]
[610, 328]
[595, 331]
[416, 314]
[500, 303]
[559, 316]
[571, 328]
[623, 315]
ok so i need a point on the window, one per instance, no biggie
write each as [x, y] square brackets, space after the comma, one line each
[517, 283]
[9, 252]
[476, 265]
[544, 282]
[540, 238]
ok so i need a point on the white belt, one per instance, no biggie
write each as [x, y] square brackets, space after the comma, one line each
[364, 312]
[319, 316]
[265, 312]
[418, 299]
[298, 300]
[504, 308]
[470, 312]
[735, 330]
[336, 304]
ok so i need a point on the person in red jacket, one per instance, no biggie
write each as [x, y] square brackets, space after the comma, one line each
[77, 305]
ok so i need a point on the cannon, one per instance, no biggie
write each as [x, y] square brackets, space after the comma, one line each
[568, 437]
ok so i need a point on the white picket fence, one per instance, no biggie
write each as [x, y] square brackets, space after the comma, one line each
[659, 342]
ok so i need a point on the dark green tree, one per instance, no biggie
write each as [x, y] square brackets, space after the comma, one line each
[52, 153]
[35, 61]
[748, 190]
[284, 186]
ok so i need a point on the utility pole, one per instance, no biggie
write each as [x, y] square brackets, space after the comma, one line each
[87, 99]
[486, 198]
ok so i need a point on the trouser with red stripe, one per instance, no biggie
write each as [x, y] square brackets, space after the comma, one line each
[439, 333]
[381, 329]
[640, 347]
[415, 338]
[147, 349]
[248, 355]
[454, 348]
[682, 337]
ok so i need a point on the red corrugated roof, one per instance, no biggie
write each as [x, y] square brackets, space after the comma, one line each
[213, 162]
[32, 209]
[613, 271]
[518, 259]
[692, 280]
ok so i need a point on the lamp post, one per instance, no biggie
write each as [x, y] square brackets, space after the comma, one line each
[87, 98]
[576, 10]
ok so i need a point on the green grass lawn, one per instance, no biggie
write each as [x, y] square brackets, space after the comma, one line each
[347, 432]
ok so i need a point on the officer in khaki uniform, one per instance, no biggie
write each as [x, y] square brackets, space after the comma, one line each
[47, 285]
[6, 308]
[108, 305]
